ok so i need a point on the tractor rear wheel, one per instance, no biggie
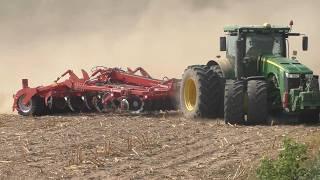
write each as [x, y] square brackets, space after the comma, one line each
[309, 117]
[234, 102]
[257, 102]
[201, 92]
[36, 106]
[315, 83]
[216, 68]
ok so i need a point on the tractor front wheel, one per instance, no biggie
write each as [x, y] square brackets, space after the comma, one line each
[234, 102]
[257, 102]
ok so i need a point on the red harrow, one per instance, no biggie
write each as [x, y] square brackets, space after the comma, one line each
[105, 90]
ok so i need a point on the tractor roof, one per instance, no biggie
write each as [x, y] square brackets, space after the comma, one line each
[256, 28]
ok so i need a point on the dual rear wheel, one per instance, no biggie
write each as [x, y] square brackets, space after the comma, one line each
[204, 93]
[246, 99]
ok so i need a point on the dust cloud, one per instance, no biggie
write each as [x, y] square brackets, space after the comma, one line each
[39, 39]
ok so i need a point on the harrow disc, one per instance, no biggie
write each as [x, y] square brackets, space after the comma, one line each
[103, 106]
[75, 103]
[57, 105]
[88, 102]
[135, 103]
[110, 106]
[97, 103]
[124, 105]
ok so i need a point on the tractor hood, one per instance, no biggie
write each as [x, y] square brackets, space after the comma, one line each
[286, 64]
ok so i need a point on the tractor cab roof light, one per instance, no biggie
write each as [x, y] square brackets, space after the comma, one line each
[267, 25]
[291, 24]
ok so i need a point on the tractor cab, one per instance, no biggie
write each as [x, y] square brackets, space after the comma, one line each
[246, 45]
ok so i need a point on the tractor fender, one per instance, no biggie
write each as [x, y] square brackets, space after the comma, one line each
[271, 74]
[256, 78]
[225, 67]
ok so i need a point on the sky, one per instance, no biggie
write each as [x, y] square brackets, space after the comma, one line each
[40, 39]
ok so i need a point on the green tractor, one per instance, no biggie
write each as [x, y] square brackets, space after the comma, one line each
[257, 78]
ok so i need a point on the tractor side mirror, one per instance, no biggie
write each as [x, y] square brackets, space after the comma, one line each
[223, 44]
[305, 43]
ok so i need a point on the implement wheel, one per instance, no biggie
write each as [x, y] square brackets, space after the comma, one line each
[234, 102]
[201, 92]
[36, 106]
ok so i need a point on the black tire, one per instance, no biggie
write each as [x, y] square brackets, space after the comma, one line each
[147, 105]
[274, 97]
[218, 70]
[163, 105]
[171, 104]
[309, 117]
[234, 102]
[315, 83]
[257, 102]
[156, 104]
[36, 107]
[175, 100]
[207, 94]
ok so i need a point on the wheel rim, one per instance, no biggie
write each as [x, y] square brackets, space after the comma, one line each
[190, 94]
[24, 108]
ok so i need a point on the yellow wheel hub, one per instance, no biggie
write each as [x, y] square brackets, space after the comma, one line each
[190, 94]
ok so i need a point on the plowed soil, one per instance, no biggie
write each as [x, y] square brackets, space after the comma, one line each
[149, 146]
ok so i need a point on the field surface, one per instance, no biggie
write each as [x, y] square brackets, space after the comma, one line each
[157, 146]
